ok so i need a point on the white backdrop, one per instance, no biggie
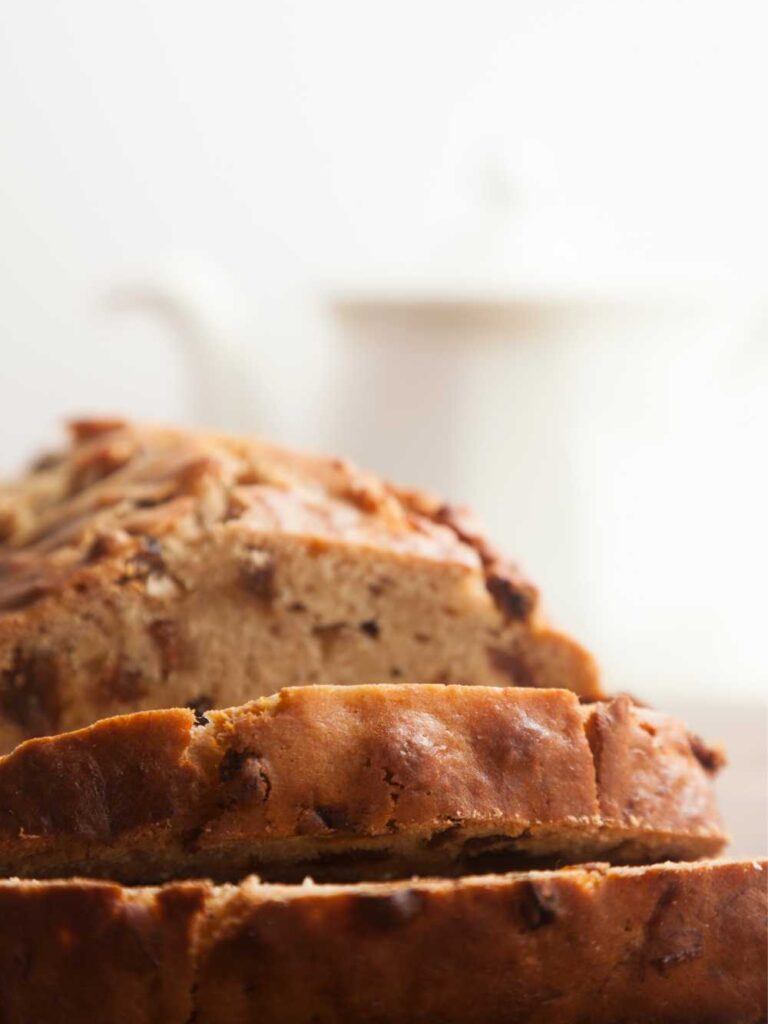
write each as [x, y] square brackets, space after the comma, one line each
[277, 155]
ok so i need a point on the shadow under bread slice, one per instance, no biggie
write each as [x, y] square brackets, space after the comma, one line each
[361, 782]
[664, 944]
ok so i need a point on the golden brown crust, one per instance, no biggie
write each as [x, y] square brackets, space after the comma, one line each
[176, 559]
[358, 782]
[669, 944]
[633, 781]
[81, 951]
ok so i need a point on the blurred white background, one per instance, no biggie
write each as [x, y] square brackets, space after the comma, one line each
[515, 252]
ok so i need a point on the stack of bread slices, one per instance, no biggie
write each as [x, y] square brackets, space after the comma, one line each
[418, 806]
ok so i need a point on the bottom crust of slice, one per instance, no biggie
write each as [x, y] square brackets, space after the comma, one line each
[667, 944]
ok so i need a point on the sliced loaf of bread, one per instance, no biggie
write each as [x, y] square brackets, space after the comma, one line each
[146, 567]
[666, 944]
[360, 782]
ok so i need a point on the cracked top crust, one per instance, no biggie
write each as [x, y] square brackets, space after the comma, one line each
[119, 482]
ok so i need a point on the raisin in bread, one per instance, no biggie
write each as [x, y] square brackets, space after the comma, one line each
[667, 944]
[354, 783]
[147, 567]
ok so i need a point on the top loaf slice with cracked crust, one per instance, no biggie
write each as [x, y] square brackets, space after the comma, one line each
[147, 567]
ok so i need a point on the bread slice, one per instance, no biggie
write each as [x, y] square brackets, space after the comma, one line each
[359, 782]
[148, 567]
[667, 944]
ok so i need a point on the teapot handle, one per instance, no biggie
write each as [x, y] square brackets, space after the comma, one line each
[200, 311]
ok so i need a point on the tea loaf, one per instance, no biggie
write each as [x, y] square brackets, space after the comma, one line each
[667, 944]
[360, 782]
[147, 567]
